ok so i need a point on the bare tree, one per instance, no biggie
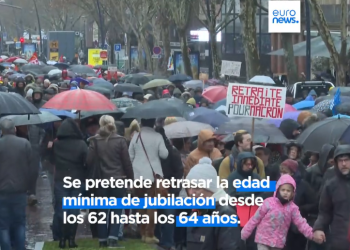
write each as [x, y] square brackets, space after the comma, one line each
[180, 13]
[211, 9]
[339, 58]
[247, 18]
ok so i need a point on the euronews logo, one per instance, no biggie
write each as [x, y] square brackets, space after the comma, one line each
[284, 16]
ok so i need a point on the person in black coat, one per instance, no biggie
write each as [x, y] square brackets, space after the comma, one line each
[305, 198]
[172, 168]
[213, 238]
[69, 157]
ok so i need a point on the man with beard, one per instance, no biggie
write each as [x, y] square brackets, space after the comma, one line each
[335, 203]
[37, 98]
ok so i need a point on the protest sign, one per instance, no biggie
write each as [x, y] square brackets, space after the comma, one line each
[230, 68]
[256, 101]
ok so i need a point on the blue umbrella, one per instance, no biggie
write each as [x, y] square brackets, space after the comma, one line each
[341, 116]
[80, 80]
[220, 103]
[304, 105]
[208, 116]
[57, 112]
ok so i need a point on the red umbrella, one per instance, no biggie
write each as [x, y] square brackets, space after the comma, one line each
[215, 93]
[289, 108]
[80, 99]
[12, 59]
[90, 66]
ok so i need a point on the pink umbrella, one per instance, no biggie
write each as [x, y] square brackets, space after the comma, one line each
[289, 108]
[215, 93]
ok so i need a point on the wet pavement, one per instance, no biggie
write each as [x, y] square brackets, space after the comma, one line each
[39, 217]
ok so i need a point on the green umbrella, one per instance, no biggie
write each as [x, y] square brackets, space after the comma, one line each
[22, 120]
[157, 83]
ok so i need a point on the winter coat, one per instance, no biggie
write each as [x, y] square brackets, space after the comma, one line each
[334, 206]
[273, 220]
[315, 173]
[240, 175]
[40, 102]
[155, 148]
[197, 154]
[112, 156]
[215, 238]
[225, 166]
[16, 169]
[69, 152]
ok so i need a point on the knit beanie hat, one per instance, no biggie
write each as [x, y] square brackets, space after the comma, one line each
[291, 165]
[204, 170]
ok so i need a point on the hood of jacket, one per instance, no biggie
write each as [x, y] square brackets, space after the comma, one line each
[339, 151]
[235, 151]
[324, 157]
[241, 157]
[285, 179]
[203, 136]
[37, 90]
[287, 127]
[69, 130]
[29, 75]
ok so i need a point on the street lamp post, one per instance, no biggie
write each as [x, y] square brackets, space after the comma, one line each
[308, 40]
[210, 41]
[39, 26]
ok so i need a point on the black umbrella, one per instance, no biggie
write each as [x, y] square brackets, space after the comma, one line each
[32, 69]
[100, 82]
[62, 66]
[343, 108]
[158, 108]
[47, 69]
[2, 68]
[263, 130]
[82, 69]
[14, 104]
[137, 79]
[101, 90]
[128, 87]
[179, 78]
[329, 130]
[117, 114]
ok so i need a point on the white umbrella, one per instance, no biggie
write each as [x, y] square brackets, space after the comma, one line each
[20, 60]
[221, 108]
[55, 72]
[262, 79]
[4, 57]
[185, 129]
[51, 62]
[193, 84]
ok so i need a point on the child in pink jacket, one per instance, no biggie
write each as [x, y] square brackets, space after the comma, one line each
[274, 217]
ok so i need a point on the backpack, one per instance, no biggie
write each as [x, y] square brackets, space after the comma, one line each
[232, 163]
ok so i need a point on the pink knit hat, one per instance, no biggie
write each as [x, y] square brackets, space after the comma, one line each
[291, 164]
